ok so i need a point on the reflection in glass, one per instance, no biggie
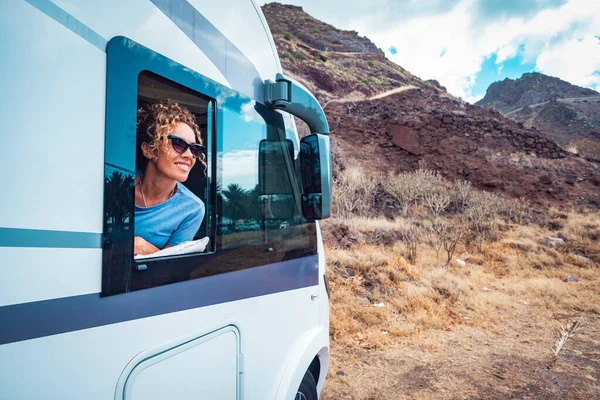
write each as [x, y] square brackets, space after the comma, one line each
[117, 211]
[260, 196]
[310, 165]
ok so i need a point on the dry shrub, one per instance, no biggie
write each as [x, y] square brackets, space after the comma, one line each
[437, 203]
[411, 237]
[409, 187]
[404, 188]
[461, 192]
[441, 235]
[433, 239]
[451, 237]
[353, 192]
[451, 287]
[588, 148]
[572, 148]
[480, 216]
[515, 210]
[582, 228]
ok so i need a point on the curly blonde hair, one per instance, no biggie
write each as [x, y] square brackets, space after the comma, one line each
[155, 122]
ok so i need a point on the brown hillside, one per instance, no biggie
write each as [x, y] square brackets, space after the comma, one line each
[463, 142]
[387, 119]
[561, 111]
[532, 88]
[332, 63]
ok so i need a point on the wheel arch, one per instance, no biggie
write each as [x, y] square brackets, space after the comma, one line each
[310, 354]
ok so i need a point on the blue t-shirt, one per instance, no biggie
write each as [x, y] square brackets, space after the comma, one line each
[172, 222]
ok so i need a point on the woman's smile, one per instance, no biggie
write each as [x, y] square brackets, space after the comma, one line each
[183, 166]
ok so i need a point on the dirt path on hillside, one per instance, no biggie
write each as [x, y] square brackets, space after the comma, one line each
[393, 91]
[565, 100]
[513, 361]
[376, 97]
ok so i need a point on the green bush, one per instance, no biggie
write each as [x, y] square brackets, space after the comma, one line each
[287, 36]
[300, 56]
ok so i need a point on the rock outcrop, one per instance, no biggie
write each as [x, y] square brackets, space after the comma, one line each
[563, 112]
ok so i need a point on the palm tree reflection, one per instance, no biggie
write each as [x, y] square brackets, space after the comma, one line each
[118, 189]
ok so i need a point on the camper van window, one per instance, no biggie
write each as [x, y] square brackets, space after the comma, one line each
[199, 179]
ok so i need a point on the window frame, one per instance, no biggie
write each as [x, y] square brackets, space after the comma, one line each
[126, 59]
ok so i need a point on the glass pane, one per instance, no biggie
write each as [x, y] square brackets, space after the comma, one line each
[243, 129]
[259, 192]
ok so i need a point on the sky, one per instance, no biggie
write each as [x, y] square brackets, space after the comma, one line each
[468, 44]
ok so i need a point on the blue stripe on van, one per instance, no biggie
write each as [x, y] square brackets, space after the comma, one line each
[14, 237]
[51, 317]
[69, 22]
[239, 71]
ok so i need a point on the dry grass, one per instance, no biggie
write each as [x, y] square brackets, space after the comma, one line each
[379, 301]
[587, 148]
[391, 290]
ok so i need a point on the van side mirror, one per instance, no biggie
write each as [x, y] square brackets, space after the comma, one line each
[315, 169]
[290, 96]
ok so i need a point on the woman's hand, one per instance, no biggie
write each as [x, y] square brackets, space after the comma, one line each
[142, 247]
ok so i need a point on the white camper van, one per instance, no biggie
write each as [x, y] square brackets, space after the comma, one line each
[238, 308]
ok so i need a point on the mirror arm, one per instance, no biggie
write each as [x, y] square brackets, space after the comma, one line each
[290, 96]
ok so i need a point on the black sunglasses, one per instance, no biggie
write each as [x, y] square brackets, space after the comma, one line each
[181, 146]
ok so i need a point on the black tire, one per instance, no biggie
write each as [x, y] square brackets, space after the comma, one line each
[307, 389]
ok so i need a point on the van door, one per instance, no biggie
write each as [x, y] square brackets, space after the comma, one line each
[207, 367]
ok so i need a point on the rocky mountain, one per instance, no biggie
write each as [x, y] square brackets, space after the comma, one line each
[385, 119]
[564, 112]
[333, 63]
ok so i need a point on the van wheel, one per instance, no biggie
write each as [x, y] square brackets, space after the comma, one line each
[307, 389]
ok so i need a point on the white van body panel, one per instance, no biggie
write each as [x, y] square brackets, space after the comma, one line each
[92, 360]
[195, 377]
[54, 163]
[143, 22]
[52, 159]
[36, 274]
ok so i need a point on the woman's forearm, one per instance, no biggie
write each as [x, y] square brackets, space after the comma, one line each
[142, 247]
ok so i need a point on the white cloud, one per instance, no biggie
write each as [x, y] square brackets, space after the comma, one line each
[449, 40]
[576, 61]
[467, 43]
[420, 41]
[249, 112]
[241, 167]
